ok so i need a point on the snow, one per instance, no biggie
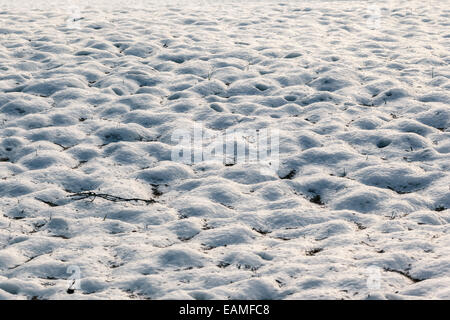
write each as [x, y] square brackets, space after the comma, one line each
[94, 192]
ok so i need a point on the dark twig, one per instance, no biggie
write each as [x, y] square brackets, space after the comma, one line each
[93, 195]
[403, 273]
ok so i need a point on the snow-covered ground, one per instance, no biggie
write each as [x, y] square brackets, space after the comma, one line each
[90, 99]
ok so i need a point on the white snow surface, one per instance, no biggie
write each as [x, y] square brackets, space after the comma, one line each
[90, 104]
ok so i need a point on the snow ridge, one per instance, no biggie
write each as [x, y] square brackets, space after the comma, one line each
[89, 102]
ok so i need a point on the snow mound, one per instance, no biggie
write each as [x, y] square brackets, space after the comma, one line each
[356, 205]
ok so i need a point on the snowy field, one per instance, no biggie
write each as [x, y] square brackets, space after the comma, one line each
[96, 201]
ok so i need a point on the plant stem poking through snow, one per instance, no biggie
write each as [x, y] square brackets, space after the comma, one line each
[93, 195]
[404, 273]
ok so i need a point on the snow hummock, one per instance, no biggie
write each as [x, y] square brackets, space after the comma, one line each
[91, 95]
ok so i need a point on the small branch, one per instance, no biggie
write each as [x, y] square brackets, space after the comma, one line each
[403, 273]
[49, 203]
[86, 195]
